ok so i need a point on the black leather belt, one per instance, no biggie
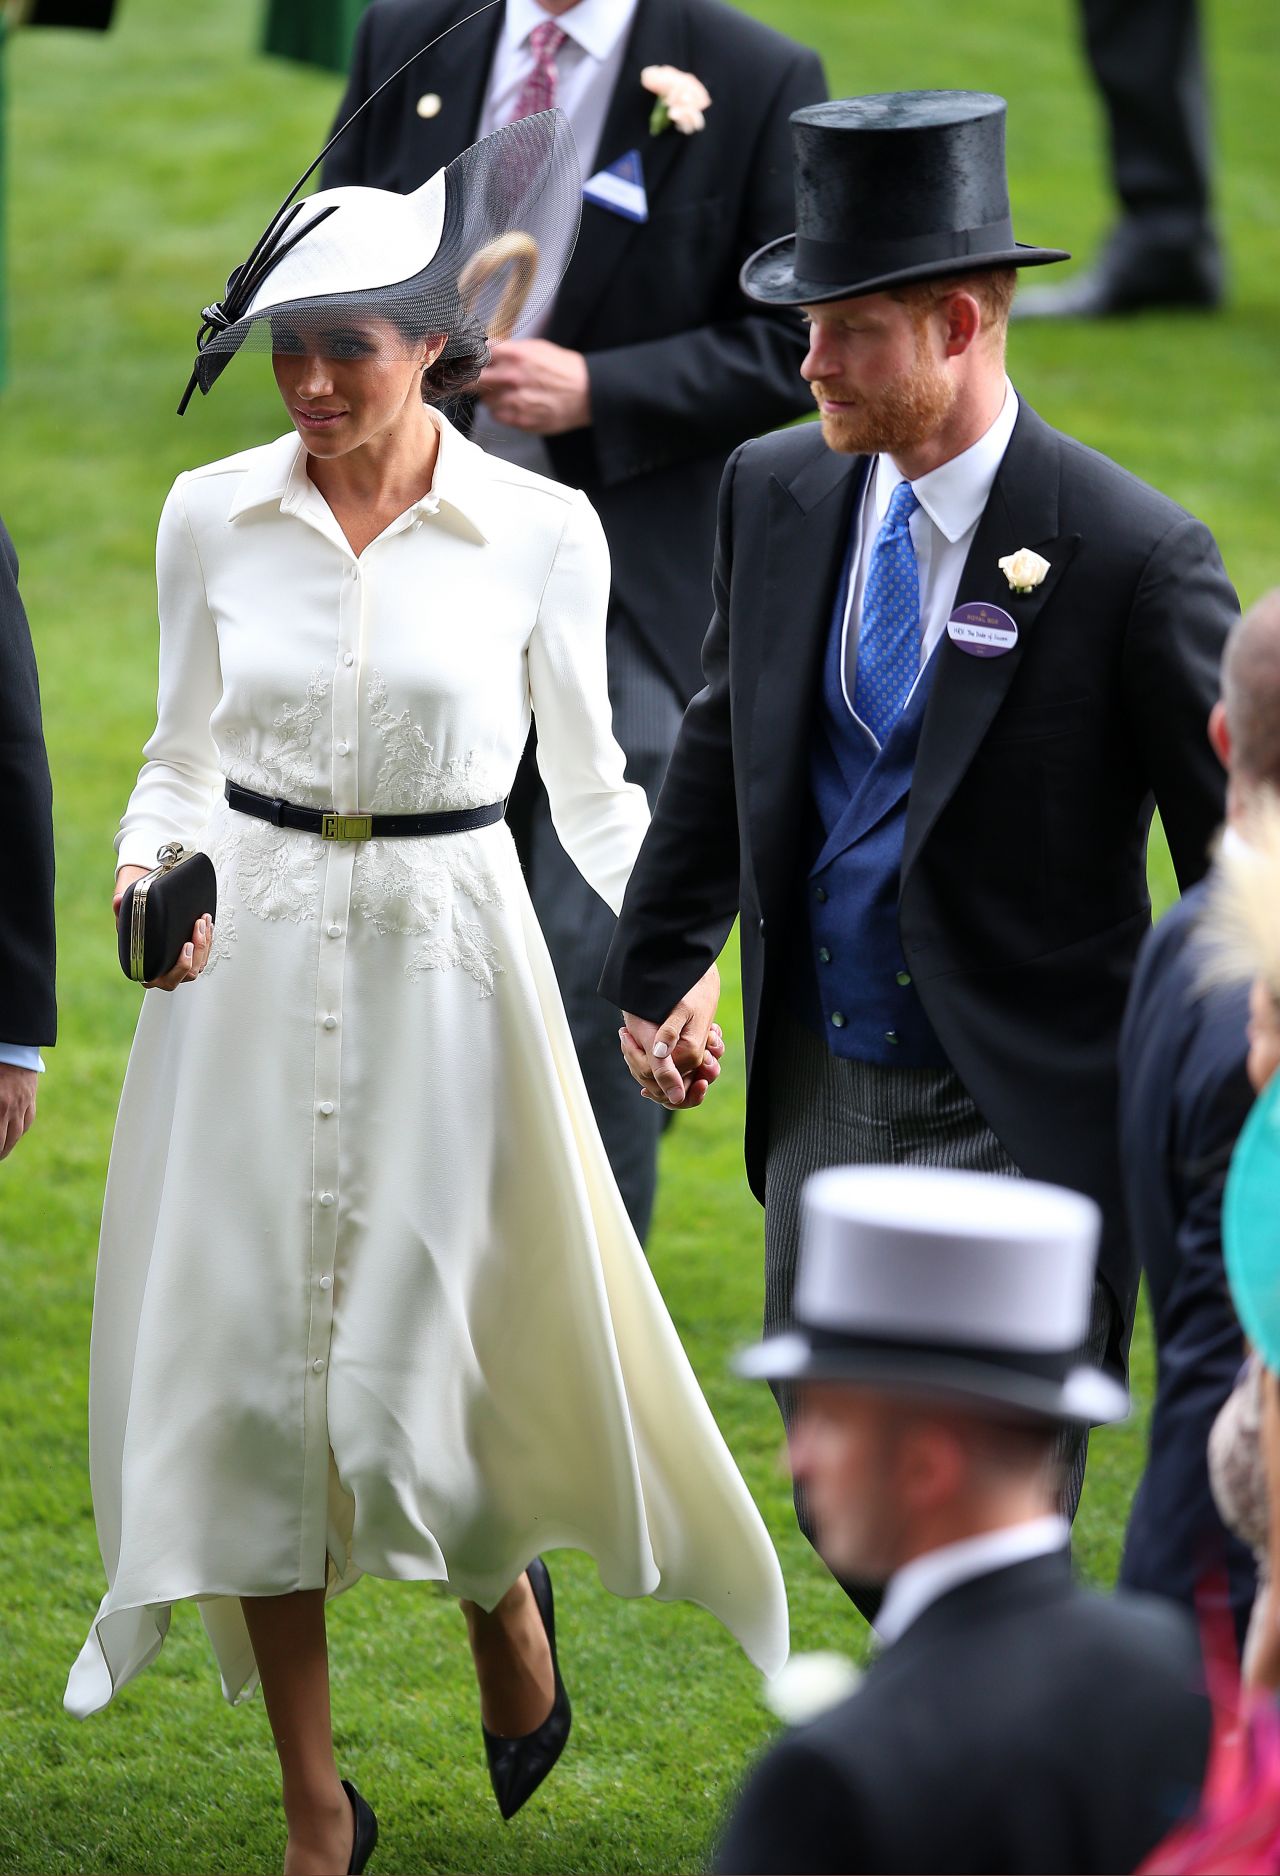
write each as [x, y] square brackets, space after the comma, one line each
[331, 826]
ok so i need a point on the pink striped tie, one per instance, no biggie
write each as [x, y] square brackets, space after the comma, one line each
[538, 92]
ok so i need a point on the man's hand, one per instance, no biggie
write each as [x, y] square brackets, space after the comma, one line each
[536, 386]
[676, 1061]
[17, 1104]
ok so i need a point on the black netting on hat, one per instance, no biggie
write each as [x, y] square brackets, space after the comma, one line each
[511, 208]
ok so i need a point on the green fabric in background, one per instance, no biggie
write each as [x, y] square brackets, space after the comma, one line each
[316, 32]
[4, 183]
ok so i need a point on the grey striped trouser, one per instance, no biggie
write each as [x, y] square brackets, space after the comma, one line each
[826, 1111]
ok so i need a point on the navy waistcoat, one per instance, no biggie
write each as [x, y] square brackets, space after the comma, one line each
[860, 992]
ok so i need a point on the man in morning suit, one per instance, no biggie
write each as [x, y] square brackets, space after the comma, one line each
[954, 657]
[648, 370]
[1184, 1096]
[28, 1015]
[1012, 1721]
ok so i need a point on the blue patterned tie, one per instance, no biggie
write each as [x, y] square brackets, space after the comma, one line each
[889, 639]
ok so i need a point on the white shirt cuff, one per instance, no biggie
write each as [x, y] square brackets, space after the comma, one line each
[21, 1055]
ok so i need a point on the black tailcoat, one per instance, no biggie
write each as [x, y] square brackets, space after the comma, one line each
[1019, 1725]
[1184, 1096]
[682, 369]
[27, 1010]
[1024, 892]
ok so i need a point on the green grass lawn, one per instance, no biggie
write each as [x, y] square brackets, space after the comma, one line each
[140, 167]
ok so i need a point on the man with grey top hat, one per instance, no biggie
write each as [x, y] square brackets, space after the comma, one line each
[955, 660]
[1012, 1721]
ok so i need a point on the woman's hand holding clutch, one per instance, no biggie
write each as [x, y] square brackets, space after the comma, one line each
[194, 954]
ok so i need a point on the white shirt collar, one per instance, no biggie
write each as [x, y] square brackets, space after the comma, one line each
[955, 494]
[922, 1581]
[594, 25]
[279, 475]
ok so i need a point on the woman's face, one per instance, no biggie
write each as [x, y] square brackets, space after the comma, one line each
[347, 381]
[1264, 1035]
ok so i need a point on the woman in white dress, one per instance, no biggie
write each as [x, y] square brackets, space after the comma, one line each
[367, 1296]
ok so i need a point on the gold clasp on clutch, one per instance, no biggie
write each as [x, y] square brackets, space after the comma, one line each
[346, 826]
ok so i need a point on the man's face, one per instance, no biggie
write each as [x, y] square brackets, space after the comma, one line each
[844, 1449]
[878, 374]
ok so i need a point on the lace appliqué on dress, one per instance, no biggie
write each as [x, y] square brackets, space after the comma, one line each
[411, 887]
[403, 888]
[273, 870]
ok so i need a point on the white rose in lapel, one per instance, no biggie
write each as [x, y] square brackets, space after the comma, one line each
[682, 99]
[1023, 570]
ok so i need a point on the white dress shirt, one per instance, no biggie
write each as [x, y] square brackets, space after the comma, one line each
[951, 499]
[20, 1055]
[588, 63]
[922, 1581]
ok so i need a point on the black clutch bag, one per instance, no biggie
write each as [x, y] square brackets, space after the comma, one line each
[158, 912]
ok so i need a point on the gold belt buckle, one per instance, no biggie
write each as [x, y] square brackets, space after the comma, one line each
[346, 826]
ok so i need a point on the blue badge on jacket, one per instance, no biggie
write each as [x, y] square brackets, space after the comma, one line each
[620, 188]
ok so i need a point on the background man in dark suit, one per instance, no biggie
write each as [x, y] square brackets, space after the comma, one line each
[939, 856]
[1148, 64]
[1184, 1096]
[648, 371]
[1012, 1722]
[28, 1016]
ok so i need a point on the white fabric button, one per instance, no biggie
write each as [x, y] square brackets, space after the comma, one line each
[326, 1198]
[348, 657]
[429, 104]
[335, 931]
[317, 1367]
[342, 748]
[331, 1022]
[326, 1283]
[326, 1108]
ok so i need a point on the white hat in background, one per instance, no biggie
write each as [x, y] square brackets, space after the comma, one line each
[966, 1285]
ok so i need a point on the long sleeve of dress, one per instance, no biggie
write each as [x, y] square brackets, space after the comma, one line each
[599, 816]
[180, 777]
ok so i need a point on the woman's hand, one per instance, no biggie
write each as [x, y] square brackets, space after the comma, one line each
[675, 1062]
[194, 955]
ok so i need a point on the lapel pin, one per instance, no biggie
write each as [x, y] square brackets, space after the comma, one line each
[982, 630]
[429, 104]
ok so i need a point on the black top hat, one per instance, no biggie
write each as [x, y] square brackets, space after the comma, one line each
[891, 189]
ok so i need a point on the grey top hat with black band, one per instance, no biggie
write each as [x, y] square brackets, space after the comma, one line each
[931, 1282]
[905, 186]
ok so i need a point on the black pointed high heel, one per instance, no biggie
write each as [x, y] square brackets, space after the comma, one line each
[365, 1840]
[518, 1766]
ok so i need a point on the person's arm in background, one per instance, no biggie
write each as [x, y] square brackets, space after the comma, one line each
[1262, 1666]
[28, 1014]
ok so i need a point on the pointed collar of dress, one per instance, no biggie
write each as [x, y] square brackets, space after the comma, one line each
[278, 477]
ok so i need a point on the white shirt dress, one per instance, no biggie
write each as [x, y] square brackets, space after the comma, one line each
[367, 1296]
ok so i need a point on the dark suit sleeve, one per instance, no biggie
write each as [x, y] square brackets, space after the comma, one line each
[798, 1816]
[348, 162]
[27, 1010]
[1183, 609]
[682, 896]
[669, 400]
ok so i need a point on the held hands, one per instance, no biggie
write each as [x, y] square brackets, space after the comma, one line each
[675, 1062]
[194, 955]
[536, 386]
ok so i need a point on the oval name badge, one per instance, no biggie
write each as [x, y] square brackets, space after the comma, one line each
[982, 630]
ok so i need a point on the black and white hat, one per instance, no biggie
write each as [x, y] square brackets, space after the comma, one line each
[963, 1285]
[480, 248]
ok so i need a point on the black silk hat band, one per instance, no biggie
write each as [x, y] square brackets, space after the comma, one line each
[892, 189]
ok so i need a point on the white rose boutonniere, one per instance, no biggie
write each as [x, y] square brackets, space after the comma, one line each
[1023, 570]
[682, 99]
